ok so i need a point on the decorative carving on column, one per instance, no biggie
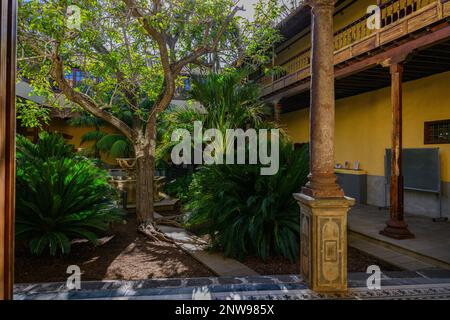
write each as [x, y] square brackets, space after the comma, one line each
[322, 179]
[323, 207]
[323, 247]
[396, 226]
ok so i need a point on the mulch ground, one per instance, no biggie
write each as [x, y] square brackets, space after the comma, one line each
[357, 261]
[126, 256]
[129, 255]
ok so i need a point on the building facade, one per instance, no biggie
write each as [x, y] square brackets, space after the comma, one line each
[412, 34]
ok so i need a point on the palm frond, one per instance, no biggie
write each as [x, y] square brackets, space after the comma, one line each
[92, 136]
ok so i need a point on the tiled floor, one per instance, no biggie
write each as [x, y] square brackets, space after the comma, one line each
[394, 285]
[432, 239]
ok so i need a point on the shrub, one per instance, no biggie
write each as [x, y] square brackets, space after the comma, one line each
[179, 188]
[60, 198]
[247, 213]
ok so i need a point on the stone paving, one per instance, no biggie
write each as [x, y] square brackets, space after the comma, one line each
[431, 244]
[196, 247]
[433, 284]
[394, 257]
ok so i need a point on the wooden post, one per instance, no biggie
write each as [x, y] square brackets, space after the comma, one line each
[7, 144]
[396, 226]
[277, 112]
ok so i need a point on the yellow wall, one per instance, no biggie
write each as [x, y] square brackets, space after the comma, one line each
[61, 126]
[363, 123]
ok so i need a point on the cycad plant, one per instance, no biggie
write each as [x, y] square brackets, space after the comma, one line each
[60, 197]
[246, 213]
[49, 146]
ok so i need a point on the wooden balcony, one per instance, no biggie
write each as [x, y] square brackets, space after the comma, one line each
[400, 19]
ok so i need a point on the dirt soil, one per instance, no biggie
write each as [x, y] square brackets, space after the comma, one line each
[126, 256]
[358, 261]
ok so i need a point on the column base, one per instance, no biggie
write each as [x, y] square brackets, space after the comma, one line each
[333, 192]
[322, 186]
[397, 230]
[323, 244]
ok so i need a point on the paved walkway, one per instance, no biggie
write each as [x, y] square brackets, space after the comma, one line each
[394, 285]
[196, 247]
[430, 247]
[394, 257]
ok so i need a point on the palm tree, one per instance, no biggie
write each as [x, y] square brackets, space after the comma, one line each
[228, 101]
[231, 101]
[87, 120]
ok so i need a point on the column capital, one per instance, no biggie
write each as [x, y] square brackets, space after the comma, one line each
[396, 68]
[321, 4]
[395, 60]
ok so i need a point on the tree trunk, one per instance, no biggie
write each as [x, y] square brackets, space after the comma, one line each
[145, 168]
[144, 185]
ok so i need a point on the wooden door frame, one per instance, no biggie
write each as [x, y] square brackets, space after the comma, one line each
[8, 31]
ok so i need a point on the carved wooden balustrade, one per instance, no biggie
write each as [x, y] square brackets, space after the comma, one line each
[297, 62]
[415, 13]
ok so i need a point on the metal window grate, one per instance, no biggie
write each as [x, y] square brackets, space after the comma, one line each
[437, 132]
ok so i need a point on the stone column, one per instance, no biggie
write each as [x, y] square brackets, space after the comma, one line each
[323, 207]
[322, 180]
[396, 226]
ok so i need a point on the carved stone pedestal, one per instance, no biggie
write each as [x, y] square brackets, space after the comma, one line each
[323, 244]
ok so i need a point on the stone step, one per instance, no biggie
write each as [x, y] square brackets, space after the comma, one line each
[395, 255]
[167, 206]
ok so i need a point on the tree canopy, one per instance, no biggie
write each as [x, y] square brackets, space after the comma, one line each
[132, 55]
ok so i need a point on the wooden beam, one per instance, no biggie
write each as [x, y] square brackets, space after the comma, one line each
[8, 11]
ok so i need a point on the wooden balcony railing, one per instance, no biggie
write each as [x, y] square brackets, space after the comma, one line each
[392, 11]
[265, 80]
[297, 62]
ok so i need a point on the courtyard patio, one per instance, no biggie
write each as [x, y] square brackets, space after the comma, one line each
[219, 232]
[429, 249]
